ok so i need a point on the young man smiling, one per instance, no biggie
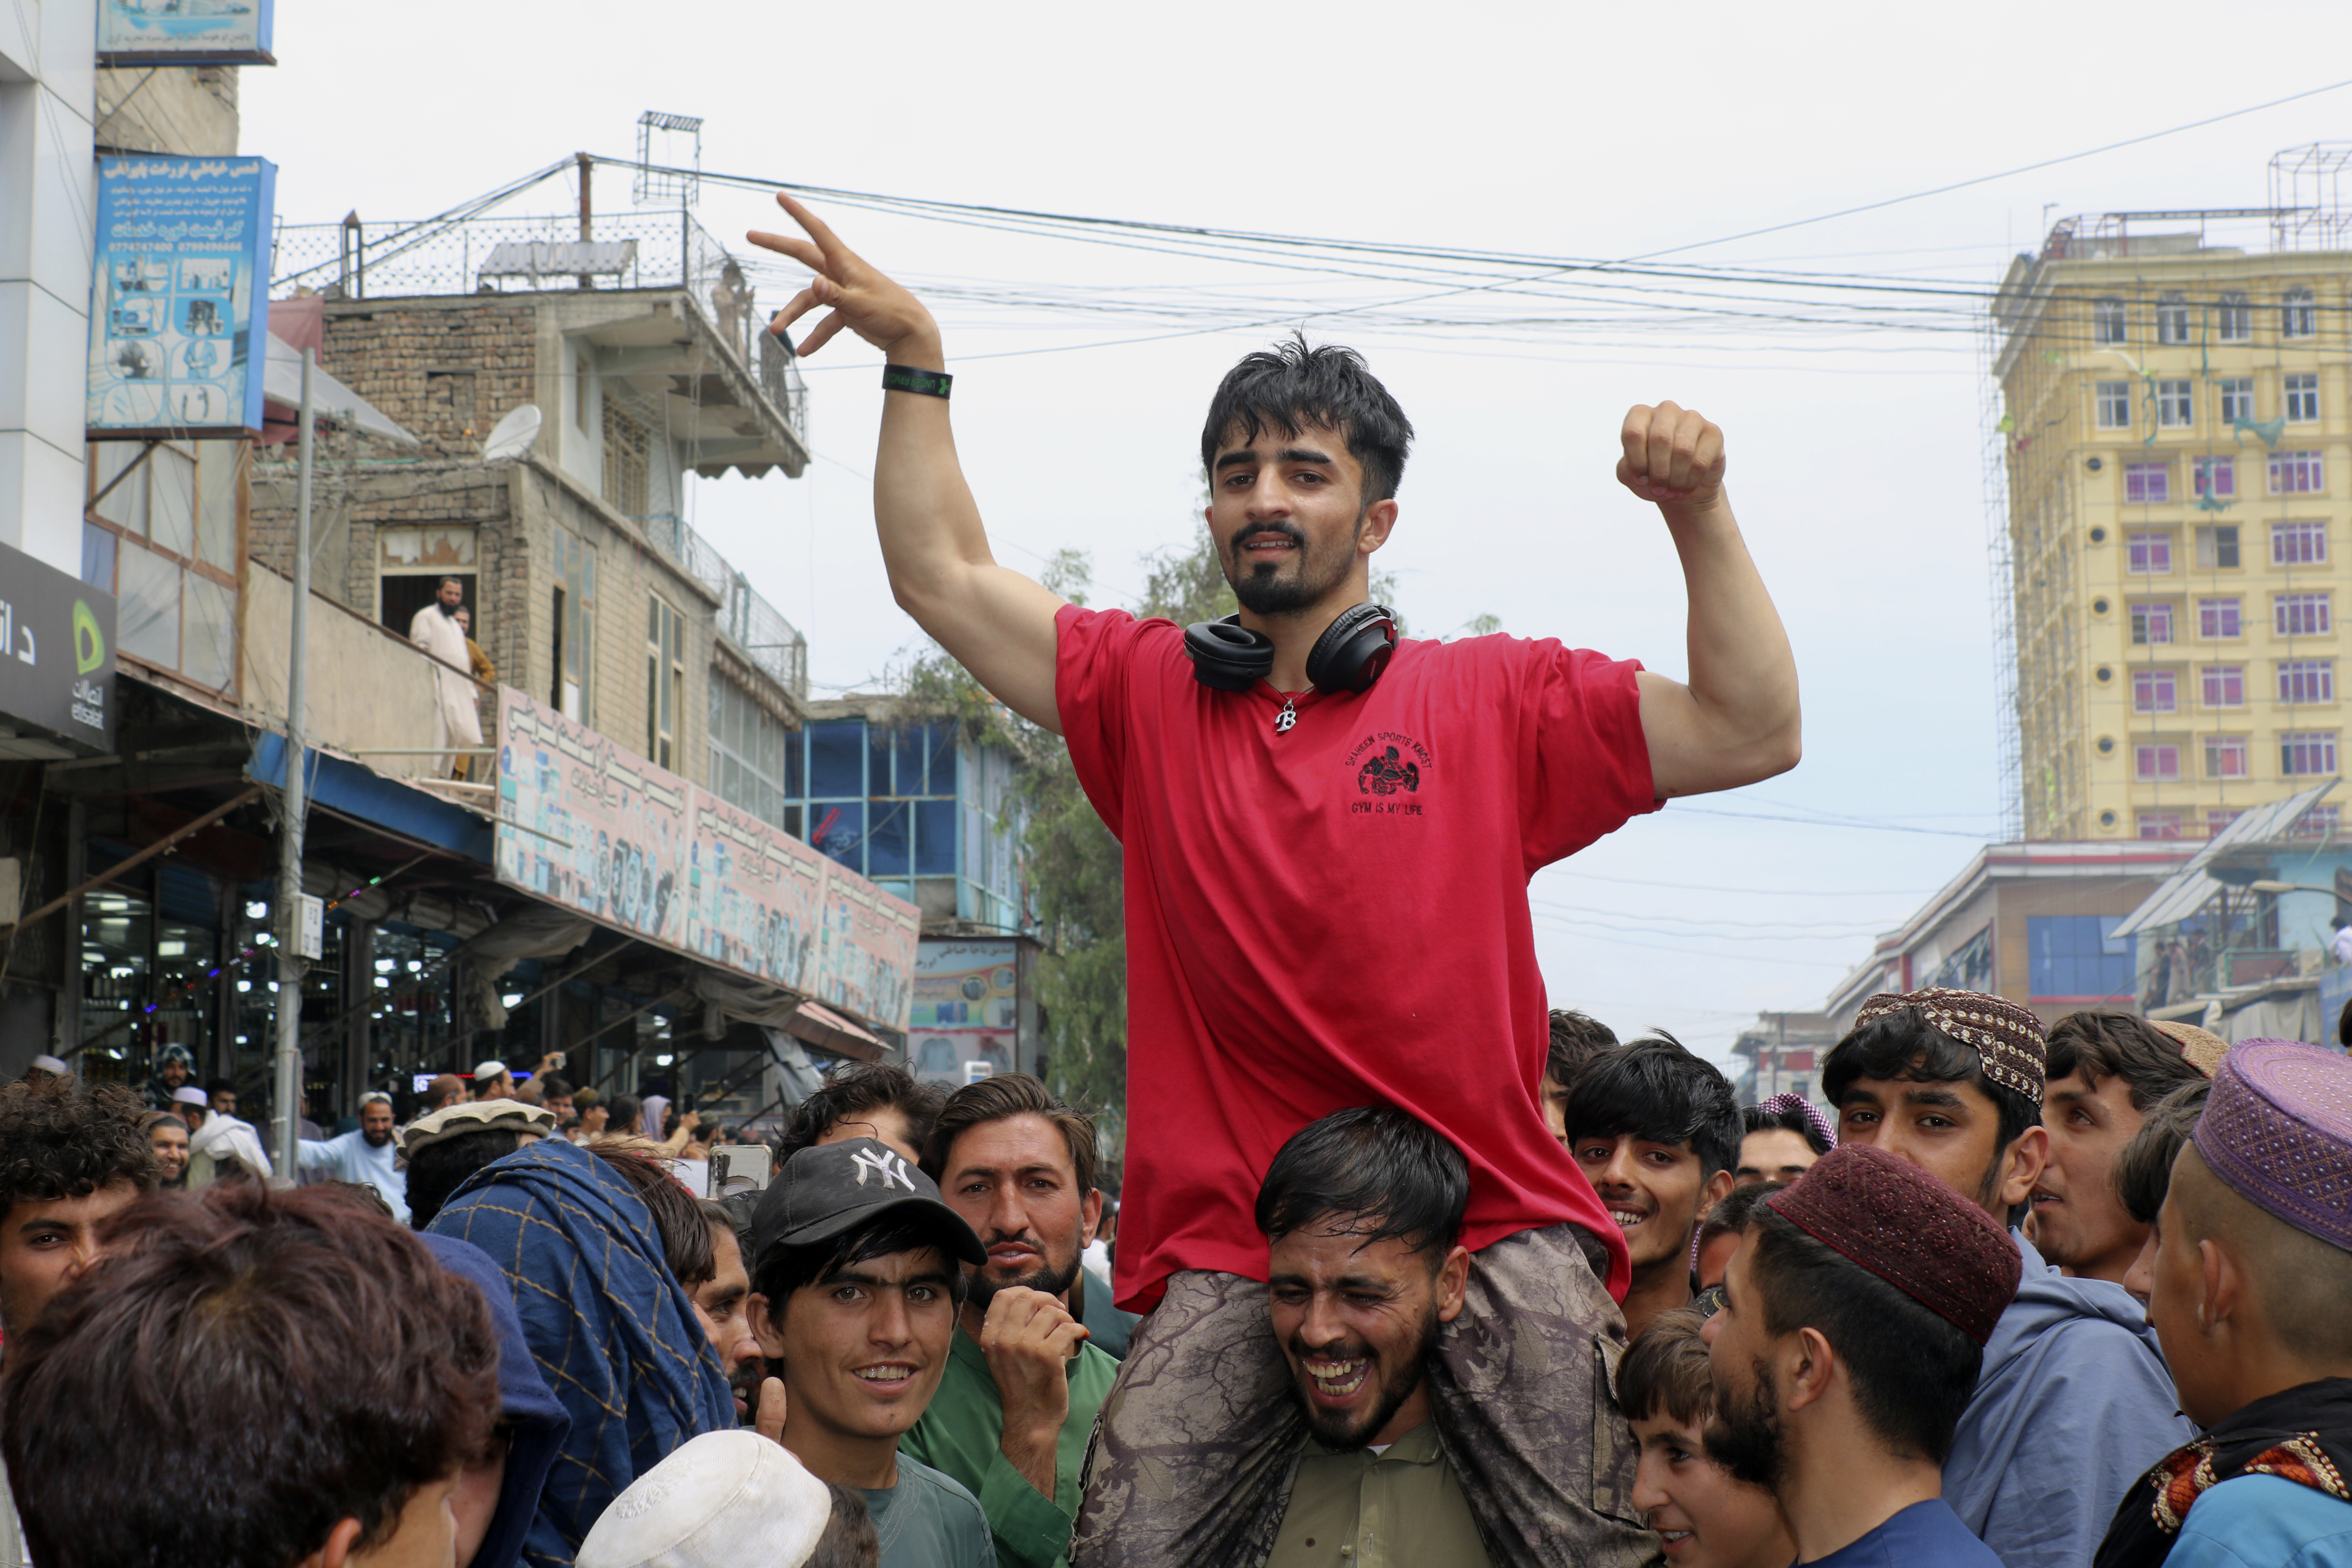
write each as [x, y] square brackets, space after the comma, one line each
[2107, 1071]
[2074, 1402]
[1450, 771]
[1017, 1402]
[1706, 1517]
[856, 1289]
[1362, 1215]
[1655, 1131]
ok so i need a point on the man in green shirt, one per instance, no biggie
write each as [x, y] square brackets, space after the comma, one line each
[1017, 1405]
[1362, 1215]
[856, 1291]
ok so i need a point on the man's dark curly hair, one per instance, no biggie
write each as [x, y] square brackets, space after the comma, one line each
[60, 1139]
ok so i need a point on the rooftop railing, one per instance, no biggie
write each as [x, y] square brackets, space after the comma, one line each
[357, 260]
[756, 627]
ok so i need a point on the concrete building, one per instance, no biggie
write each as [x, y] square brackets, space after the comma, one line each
[2176, 438]
[653, 673]
[1783, 1053]
[2035, 922]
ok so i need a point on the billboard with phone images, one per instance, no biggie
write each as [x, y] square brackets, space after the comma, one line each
[179, 315]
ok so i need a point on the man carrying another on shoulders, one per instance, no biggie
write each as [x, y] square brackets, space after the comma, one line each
[1350, 763]
[1363, 1217]
[854, 1289]
[2074, 1402]
[1017, 1402]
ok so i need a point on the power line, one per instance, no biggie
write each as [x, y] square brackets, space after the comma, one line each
[1759, 892]
[2006, 173]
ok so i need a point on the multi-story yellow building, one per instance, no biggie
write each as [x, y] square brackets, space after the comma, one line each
[2174, 423]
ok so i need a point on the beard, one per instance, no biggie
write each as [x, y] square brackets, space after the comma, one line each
[376, 1140]
[447, 611]
[1745, 1436]
[1348, 1433]
[1052, 1279]
[1260, 588]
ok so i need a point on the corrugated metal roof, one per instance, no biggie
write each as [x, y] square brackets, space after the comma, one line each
[2189, 889]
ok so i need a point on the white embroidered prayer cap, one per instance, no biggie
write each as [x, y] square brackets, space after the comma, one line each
[726, 1500]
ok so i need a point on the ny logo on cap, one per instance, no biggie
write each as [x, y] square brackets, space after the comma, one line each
[890, 1167]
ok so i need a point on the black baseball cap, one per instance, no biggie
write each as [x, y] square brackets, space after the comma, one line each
[829, 1188]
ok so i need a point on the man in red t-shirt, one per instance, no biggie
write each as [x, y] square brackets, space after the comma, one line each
[1328, 835]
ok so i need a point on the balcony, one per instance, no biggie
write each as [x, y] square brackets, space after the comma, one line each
[627, 252]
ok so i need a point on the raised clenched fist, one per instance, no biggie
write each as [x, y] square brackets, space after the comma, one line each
[1673, 456]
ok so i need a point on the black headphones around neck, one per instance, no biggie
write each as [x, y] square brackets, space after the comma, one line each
[1349, 657]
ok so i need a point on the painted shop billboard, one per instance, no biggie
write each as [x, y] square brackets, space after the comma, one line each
[185, 32]
[594, 827]
[179, 297]
[966, 1015]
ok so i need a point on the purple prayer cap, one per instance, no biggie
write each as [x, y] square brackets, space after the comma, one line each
[1780, 1103]
[2278, 1129]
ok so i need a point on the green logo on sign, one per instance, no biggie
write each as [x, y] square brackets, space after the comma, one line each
[90, 644]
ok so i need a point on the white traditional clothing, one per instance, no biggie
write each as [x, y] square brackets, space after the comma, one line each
[221, 1142]
[457, 720]
[350, 1157]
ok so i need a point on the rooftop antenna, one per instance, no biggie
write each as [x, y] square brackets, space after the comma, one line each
[670, 160]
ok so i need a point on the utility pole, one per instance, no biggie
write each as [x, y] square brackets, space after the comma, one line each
[286, 1095]
[587, 208]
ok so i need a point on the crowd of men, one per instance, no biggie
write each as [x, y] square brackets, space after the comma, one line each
[1403, 1280]
[2022, 1298]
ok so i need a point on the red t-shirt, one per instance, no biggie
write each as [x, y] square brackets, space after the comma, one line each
[1338, 916]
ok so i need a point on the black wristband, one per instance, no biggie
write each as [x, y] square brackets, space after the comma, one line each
[906, 378]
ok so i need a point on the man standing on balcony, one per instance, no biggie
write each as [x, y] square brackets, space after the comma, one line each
[1300, 797]
[457, 718]
[484, 671]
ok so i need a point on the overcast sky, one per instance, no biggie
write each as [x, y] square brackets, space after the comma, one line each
[1558, 131]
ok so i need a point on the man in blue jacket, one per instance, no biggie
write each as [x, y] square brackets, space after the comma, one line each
[2073, 1403]
[613, 1332]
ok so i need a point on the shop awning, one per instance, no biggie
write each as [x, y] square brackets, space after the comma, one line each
[827, 1030]
[2193, 887]
[368, 797]
[335, 403]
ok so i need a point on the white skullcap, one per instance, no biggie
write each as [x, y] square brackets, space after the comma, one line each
[487, 1072]
[723, 1500]
[52, 1064]
[189, 1094]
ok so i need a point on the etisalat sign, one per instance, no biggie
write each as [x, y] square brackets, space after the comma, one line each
[184, 33]
[56, 672]
[179, 297]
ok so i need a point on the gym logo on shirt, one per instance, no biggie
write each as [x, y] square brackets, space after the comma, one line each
[1388, 765]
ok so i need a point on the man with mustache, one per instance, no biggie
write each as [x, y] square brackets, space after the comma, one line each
[1854, 1318]
[1299, 793]
[1363, 1217]
[1017, 1402]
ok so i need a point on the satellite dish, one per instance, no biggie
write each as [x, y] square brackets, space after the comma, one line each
[513, 434]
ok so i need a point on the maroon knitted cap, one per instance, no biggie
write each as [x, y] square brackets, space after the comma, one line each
[1909, 1229]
